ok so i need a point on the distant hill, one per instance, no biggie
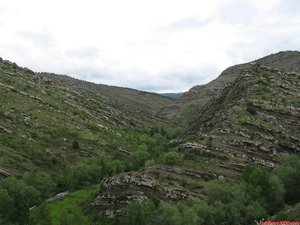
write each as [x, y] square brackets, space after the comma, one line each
[172, 95]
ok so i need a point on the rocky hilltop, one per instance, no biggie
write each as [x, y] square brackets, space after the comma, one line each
[255, 119]
[201, 94]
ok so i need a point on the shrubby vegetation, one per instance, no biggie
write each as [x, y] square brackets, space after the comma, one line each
[89, 172]
[16, 197]
[170, 158]
[42, 182]
[259, 193]
[289, 174]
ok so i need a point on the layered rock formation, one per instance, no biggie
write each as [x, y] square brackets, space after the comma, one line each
[118, 191]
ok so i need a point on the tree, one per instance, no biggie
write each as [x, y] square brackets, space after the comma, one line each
[72, 217]
[169, 215]
[263, 187]
[204, 212]
[6, 205]
[289, 173]
[81, 175]
[188, 216]
[40, 181]
[230, 202]
[290, 213]
[40, 216]
[22, 196]
[138, 158]
[170, 158]
[139, 213]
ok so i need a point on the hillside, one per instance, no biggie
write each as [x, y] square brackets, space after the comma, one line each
[248, 116]
[255, 119]
[41, 115]
[201, 94]
[172, 95]
[138, 100]
[227, 154]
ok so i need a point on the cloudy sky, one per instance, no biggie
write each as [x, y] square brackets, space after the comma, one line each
[153, 45]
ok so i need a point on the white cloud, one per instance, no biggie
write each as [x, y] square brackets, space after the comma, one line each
[155, 45]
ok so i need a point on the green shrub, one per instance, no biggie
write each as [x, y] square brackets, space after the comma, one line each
[263, 187]
[81, 175]
[250, 109]
[209, 143]
[170, 158]
[19, 197]
[75, 144]
[41, 181]
[289, 173]
[138, 159]
[139, 213]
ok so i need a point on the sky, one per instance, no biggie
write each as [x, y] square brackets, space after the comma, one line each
[151, 45]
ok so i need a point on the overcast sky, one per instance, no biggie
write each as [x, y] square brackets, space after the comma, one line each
[153, 45]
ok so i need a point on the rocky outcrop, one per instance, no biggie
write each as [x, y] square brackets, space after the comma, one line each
[118, 191]
[4, 173]
[177, 173]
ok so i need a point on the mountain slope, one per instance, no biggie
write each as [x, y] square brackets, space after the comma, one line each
[139, 100]
[255, 119]
[201, 94]
[54, 123]
[41, 116]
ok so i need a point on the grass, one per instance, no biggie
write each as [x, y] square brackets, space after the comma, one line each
[73, 203]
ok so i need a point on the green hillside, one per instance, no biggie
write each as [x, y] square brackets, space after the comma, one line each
[224, 153]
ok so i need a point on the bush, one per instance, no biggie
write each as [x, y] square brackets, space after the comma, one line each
[75, 177]
[169, 215]
[40, 216]
[138, 159]
[6, 204]
[289, 172]
[209, 143]
[250, 109]
[19, 198]
[139, 213]
[41, 181]
[263, 187]
[290, 214]
[72, 217]
[75, 145]
[170, 158]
